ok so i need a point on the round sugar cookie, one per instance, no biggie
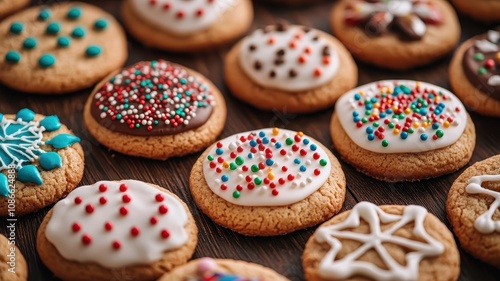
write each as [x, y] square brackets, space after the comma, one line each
[401, 130]
[481, 10]
[40, 162]
[268, 182]
[8, 7]
[13, 266]
[117, 230]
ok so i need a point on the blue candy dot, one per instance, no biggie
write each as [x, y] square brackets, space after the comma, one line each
[277, 145]
[63, 41]
[435, 126]
[26, 114]
[44, 14]
[224, 178]
[423, 137]
[355, 113]
[265, 140]
[371, 137]
[262, 134]
[100, 24]
[253, 143]
[404, 135]
[250, 155]
[16, 28]
[357, 96]
[29, 43]
[269, 162]
[47, 60]
[296, 161]
[382, 115]
[78, 32]
[356, 119]
[12, 57]
[53, 28]
[93, 51]
[369, 130]
[313, 147]
[302, 168]
[305, 141]
[219, 151]
[422, 111]
[74, 13]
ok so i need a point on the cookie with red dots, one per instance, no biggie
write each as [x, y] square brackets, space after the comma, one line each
[155, 109]
[401, 130]
[60, 48]
[221, 270]
[268, 182]
[8, 7]
[13, 266]
[474, 74]
[116, 230]
[289, 68]
[186, 26]
[481, 10]
[396, 34]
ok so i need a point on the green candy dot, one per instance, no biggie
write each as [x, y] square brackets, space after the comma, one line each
[183, 81]
[29, 43]
[391, 125]
[478, 56]
[323, 162]
[74, 13]
[16, 27]
[257, 181]
[44, 14]
[100, 24]
[53, 28]
[233, 166]
[482, 70]
[93, 51]
[236, 194]
[239, 160]
[376, 124]
[78, 32]
[12, 57]
[210, 158]
[439, 133]
[254, 168]
[63, 41]
[289, 141]
[410, 130]
[364, 120]
[385, 143]
[46, 60]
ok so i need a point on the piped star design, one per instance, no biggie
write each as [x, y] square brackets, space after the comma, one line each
[485, 223]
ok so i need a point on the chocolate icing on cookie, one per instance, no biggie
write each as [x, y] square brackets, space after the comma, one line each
[481, 63]
[406, 17]
[151, 99]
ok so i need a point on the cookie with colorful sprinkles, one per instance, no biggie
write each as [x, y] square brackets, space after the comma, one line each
[186, 26]
[59, 48]
[13, 265]
[115, 230]
[400, 130]
[473, 209]
[268, 182]
[208, 269]
[40, 162]
[396, 34]
[379, 243]
[8, 7]
[289, 68]
[474, 73]
[155, 109]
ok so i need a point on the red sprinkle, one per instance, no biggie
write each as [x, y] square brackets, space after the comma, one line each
[135, 231]
[116, 245]
[89, 208]
[103, 188]
[123, 187]
[103, 200]
[165, 234]
[153, 220]
[123, 211]
[159, 197]
[86, 239]
[78, 200]
[126, 198]
[76, 227]
[163, 209]
[108, 226]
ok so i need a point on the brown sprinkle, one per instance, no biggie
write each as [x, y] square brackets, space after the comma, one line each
[292, 73]
[272, 74]
[252, 47]
[279, 61]
[280, 52]
[257, 65]
[326, 51]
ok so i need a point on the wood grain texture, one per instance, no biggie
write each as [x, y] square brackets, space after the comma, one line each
[280, 253]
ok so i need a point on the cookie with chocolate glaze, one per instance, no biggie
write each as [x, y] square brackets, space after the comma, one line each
[289, 68]
[481, 10]
[8, 7]
[474, 73]
[186, 26]
[396, 34]
[155, 109]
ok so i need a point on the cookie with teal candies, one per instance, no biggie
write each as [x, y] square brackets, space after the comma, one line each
[59, 48]
[8, 7]
[40, 162]
[402, 130]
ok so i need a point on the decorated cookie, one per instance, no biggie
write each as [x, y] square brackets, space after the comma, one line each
[268, 182]
[402, 130]
[474, 73]
[10, 6]
[481, 10]
[289, 68]
[382, 243]
[116, 230]
[60, 48]
[40, 162]
[207, 269]
[13, 266]
[396, 34]
[155, 109]
[473, 210]
[186, 26]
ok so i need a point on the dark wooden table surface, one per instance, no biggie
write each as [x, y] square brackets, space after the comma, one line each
[281, 253]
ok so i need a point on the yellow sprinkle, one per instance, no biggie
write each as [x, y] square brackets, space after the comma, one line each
[418, 84]
[446, 124]
[270, 176]
[416, 125]
[497, 57]
[437, 99]
[425, 124]
[376, 105]
[389, 90]
[300, 134]
[396, 131]
[375, 113]
[275, 131]
[225, 164]
[361, 93]
[407, 111]
[395, 108]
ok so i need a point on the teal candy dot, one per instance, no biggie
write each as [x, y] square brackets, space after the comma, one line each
[78, 32]
[4, 185]
[63, 41]
[29, 43]
[53, 28]
[93, 51]
[46, 60]
[62, 141]
[50, 161]
[1, 117]
[44, 14]
[29, 173]
[26, 114]
[51, 123]
[12, 57]
[16, 27]
[74, 13]
[100, 24]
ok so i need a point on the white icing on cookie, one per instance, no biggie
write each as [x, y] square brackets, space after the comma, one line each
[100, 224]
[180, 16]
[349, 265]
[267, 167]
[408, 118]
[291, 58]
[485, 223]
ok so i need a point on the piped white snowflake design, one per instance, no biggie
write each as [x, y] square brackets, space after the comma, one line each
[350, 265]
[485, 223]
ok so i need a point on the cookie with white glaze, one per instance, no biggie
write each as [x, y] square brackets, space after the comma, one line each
[473, 209]
[396, 34]
[117, 230]
[186, 26]
[289, 68]
[221, 270]
[268, 182]
[481, 10]
[401, 130]
[40, 162]
[474, 74]
[13, 266]
[155, 109]
[8, 7]
[60, 48]
[387, 242]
